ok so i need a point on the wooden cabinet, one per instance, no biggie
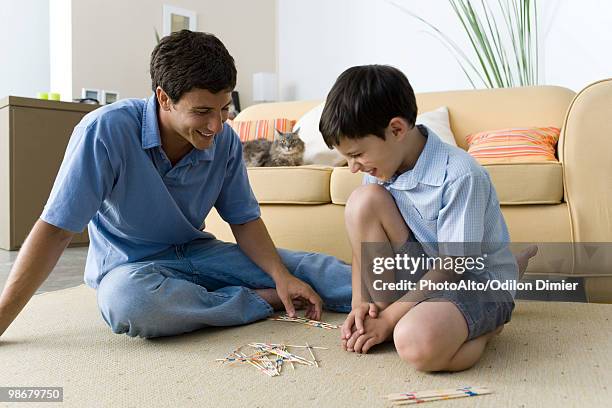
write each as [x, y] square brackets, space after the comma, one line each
[33, 138]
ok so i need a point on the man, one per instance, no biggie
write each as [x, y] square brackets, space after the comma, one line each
[144, 174]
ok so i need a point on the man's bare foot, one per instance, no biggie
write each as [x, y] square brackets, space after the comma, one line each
[522, 259]
[271, 296]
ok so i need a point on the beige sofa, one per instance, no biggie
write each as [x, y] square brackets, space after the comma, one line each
[569, 201]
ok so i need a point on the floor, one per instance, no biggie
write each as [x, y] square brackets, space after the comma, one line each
[69, 273]
[552, 354]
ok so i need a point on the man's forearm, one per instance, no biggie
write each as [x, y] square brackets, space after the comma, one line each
[254, 240]
[35, 261]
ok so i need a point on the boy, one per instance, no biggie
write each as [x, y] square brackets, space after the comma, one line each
[144, 174]
[417, 190]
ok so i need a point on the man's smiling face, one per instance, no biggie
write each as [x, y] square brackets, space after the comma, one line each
[199, 115]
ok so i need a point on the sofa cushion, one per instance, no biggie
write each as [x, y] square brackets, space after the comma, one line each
[527, 183]
[473, 111]
[315, 149]
[317, 152]
[343, 182]
[437, 120]
[291, 185]
[533, 183]
[515, 145]
[260, 129]
[291, 110]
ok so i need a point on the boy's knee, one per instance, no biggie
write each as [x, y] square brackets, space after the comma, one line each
[416, 350]
[364, 201]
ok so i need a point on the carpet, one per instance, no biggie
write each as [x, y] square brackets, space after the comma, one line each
[551, 354]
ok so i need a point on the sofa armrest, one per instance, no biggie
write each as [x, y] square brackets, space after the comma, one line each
[585, 149]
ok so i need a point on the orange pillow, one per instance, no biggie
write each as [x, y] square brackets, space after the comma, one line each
[261, 129]
[516, 145]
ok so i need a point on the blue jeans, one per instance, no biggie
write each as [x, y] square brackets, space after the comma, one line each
[208, 282]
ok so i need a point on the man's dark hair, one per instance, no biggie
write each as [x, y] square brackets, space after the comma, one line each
[363, 101]
[185, 60]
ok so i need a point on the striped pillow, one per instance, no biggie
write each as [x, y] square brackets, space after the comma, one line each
[261, 129]
[516, 145]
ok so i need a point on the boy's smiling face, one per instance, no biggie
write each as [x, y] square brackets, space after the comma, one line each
[383, 158]
[369, 154]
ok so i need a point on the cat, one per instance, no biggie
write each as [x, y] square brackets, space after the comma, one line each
[287, 149]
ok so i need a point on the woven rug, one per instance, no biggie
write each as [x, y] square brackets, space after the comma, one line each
[551, 354]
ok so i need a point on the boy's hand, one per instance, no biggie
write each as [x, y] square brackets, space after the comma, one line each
[376, 331]
[290, 288]
[356, 318]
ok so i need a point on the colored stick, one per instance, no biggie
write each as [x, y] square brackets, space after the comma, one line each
[312, 354]
[434, 395]
[303, 320]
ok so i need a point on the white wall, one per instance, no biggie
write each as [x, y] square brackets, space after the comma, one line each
[60, 47]
[318, 39]
[24, 47]
[578, 46]
[112, 40]
[309, 43]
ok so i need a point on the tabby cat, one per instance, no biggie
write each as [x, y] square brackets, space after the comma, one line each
[287, 149]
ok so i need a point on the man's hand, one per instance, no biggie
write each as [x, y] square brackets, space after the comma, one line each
[355, 319]
[254, 240]
[376, 331]
[290, 288]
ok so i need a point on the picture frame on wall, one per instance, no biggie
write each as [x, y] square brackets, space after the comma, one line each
[91, 94]
[109, 97]
[177, 19]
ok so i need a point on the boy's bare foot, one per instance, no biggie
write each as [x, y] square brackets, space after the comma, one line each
[488, 336]
[522, 259]
[270, 296]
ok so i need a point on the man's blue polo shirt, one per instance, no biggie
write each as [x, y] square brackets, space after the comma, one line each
[116, 177]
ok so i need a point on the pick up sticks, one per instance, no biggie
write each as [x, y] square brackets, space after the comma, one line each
[269, 357]
[303, 320]
[407, 398]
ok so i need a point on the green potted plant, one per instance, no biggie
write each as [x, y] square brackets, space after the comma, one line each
[504, 39]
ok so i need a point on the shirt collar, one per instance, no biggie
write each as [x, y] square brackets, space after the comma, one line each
[430, 167]
[151, 138]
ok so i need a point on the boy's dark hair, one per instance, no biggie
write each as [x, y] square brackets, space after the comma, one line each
[363, 101]
[187, 59]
